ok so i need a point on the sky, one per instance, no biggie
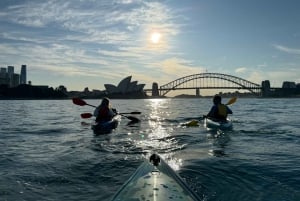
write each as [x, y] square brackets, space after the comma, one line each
[89, 43]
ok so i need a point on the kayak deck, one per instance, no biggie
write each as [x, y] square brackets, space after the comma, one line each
[155, 182]
[223, 125]
[106, 127]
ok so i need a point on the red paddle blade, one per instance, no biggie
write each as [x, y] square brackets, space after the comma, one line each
[86, 115]
[78, 101]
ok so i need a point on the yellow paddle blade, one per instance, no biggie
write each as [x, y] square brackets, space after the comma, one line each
[192, 123]
[231, 101]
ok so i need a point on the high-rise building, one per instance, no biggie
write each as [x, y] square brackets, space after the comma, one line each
[16, 80]
[10, 73]
[3, 76]
[3, 70]
[23, 75]
[10, 70]
[3, 73]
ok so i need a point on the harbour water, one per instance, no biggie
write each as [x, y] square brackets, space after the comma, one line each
[47, 152]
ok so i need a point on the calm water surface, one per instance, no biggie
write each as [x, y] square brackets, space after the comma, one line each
[47, 152]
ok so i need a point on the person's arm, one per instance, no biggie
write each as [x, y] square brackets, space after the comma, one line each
[96, 112]
[112, 112]
[229, 111]
[212, 112]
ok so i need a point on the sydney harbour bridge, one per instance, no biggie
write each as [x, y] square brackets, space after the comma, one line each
[206, 81]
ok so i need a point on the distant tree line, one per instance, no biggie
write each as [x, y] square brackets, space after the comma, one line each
[31, 92]
[27, 91]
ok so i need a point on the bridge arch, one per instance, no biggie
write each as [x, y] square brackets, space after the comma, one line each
[210, 81]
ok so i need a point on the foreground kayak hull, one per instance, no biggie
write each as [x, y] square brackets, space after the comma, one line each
[151, 182]
[223, 125]
[107, 126]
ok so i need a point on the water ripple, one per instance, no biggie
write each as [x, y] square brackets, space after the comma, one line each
[49, 153]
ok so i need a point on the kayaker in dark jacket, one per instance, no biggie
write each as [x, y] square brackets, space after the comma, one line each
[104, 112]
[219, 111]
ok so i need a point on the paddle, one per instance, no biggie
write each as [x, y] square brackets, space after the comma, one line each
[86, 115]
[78, 101]
[81, 102]
[133, 119]
[89, 115]
[231, 101]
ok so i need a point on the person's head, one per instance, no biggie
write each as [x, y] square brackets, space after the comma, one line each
[105, 102]
[217, 99]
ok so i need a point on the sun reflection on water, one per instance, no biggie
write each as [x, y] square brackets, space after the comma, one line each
[159, 137]
[156, 118]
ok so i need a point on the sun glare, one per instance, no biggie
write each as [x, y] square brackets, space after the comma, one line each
[155, 37]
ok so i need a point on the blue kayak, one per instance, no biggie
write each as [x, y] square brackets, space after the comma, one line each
[217, 124]
[105, 127]
[155, 180]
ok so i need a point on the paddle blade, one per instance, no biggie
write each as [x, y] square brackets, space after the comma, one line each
[130, 113]
[135, 112]
[78, 101]
[231, 101]
[86, 115]
[132, 119]
[192, 123]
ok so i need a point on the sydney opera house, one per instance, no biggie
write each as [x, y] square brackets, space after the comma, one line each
[126, 88]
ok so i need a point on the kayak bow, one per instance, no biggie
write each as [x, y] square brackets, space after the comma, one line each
[155, 180]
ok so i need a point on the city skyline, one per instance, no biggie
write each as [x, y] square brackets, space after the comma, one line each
[10, 78]
[125, 85]
[88, 44]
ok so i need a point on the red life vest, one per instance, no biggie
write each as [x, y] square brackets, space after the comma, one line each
[103, 114]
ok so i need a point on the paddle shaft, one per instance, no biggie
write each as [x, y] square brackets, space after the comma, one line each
[81, 102]
[89, 115]
[91, 105]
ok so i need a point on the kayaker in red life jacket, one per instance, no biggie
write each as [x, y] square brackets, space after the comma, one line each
[219, 111]
[104, 112]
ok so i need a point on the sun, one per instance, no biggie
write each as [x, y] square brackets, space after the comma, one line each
[155, 37]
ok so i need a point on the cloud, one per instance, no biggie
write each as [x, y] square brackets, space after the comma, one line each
[262, 65]
[256, 77]
[287, 49]
[241, 70]
[276, 77]
[71, 32]
[176, 66]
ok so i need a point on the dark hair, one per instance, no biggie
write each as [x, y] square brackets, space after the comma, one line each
[217, 99]
[105, 101]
